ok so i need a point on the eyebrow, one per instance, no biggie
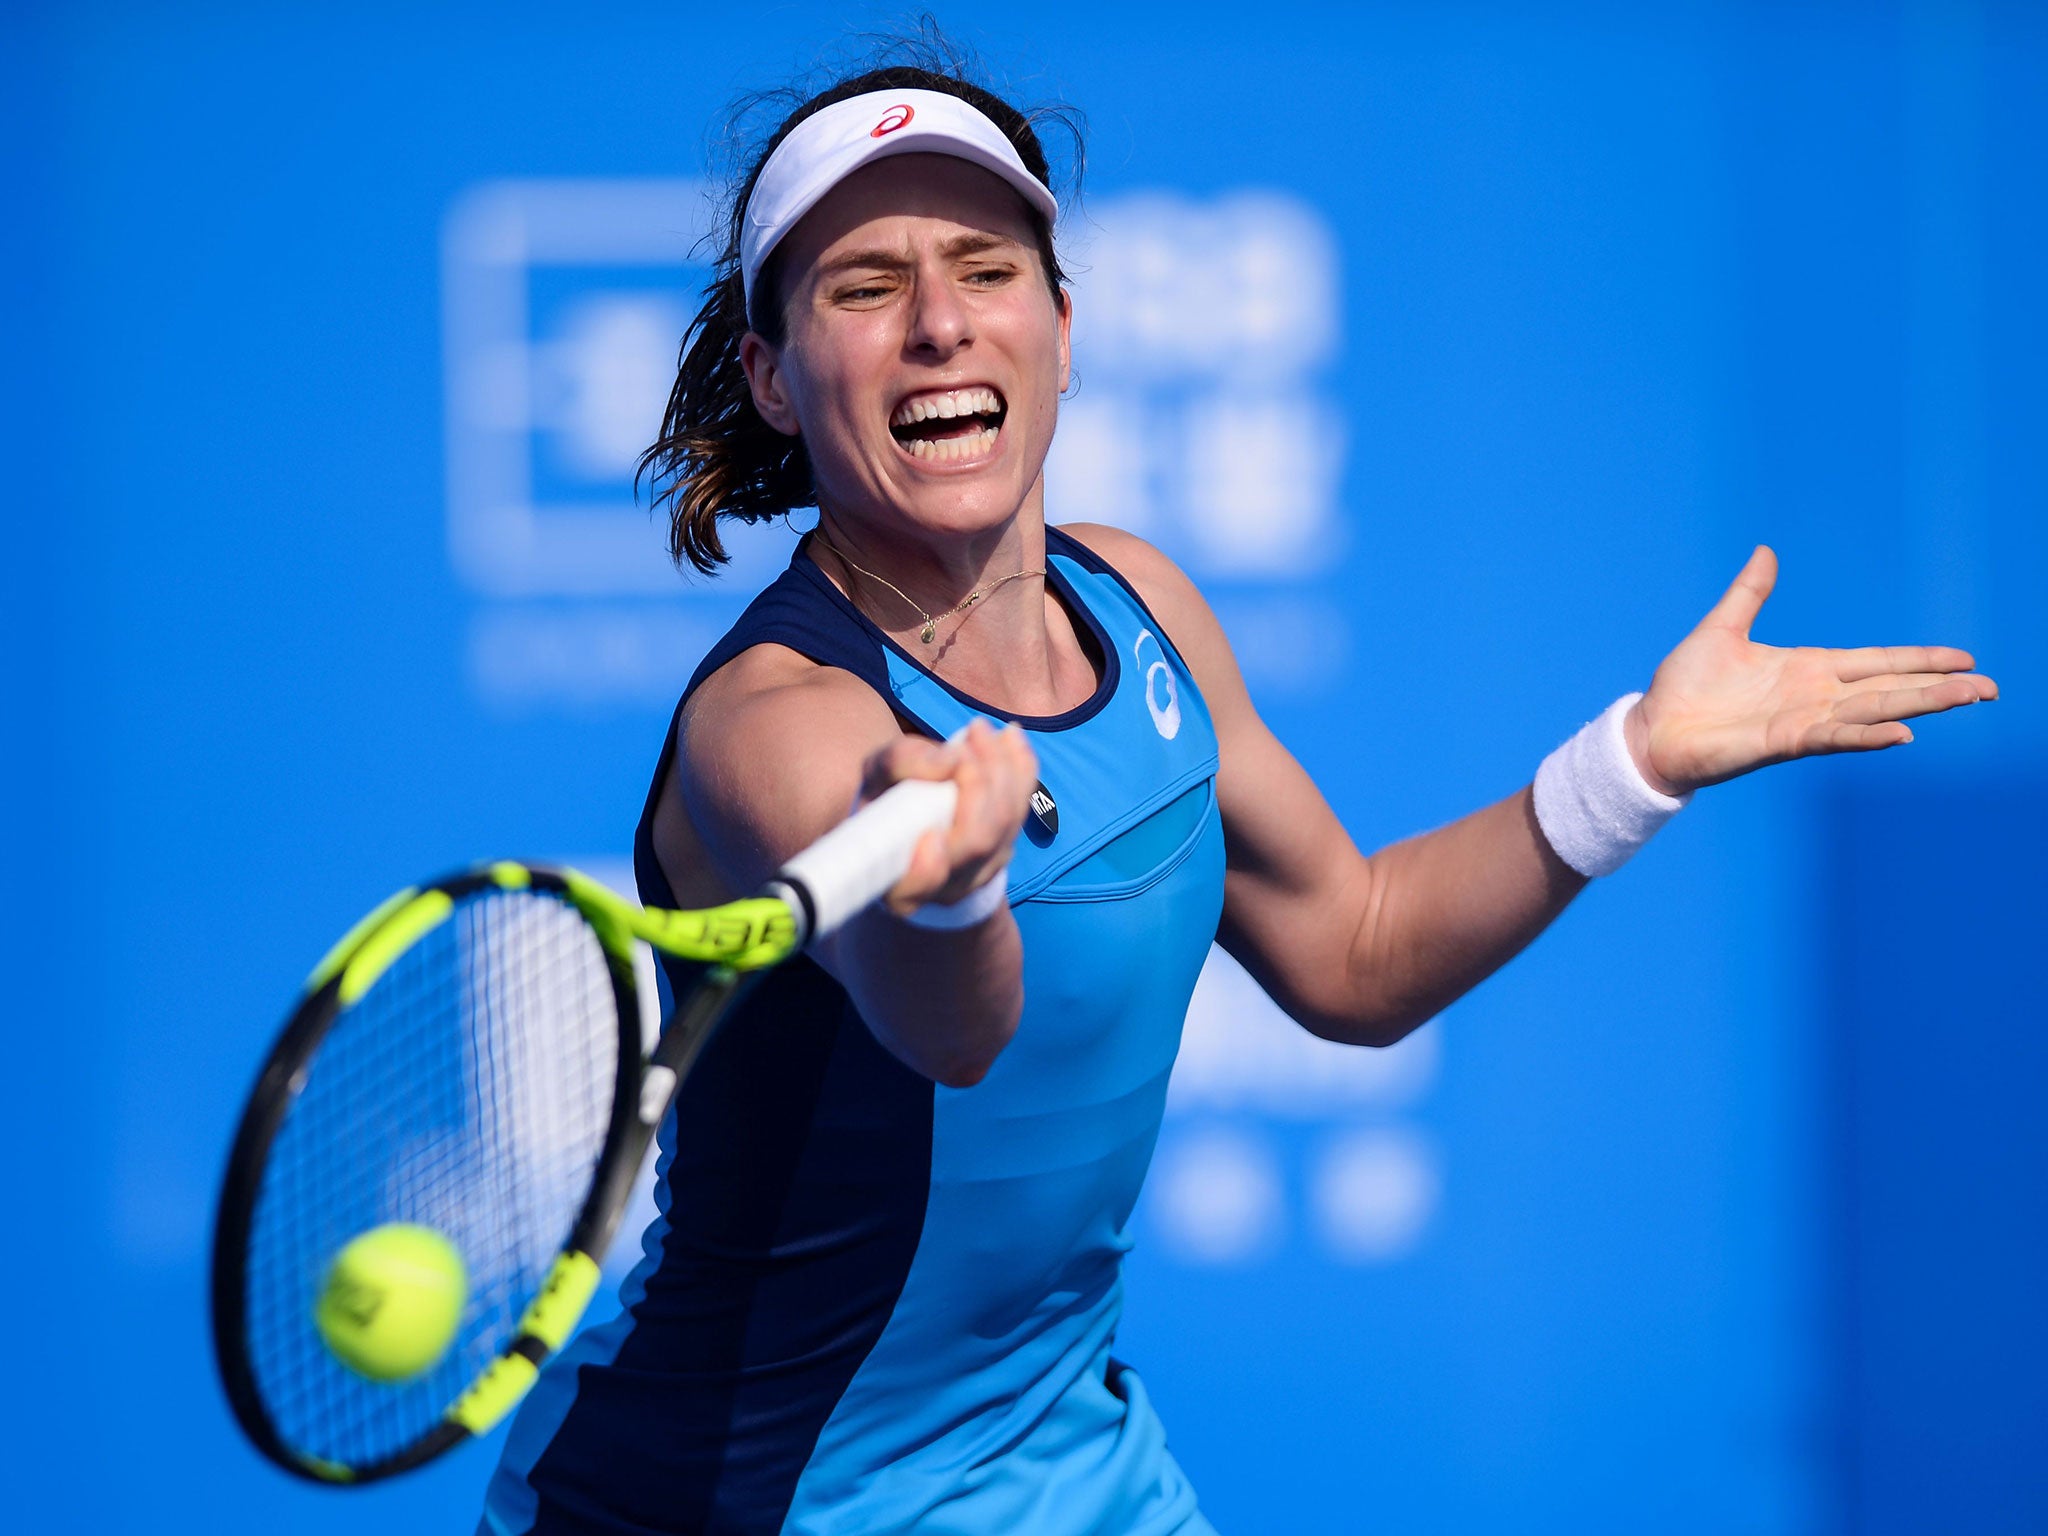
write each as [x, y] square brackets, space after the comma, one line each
[958, 246]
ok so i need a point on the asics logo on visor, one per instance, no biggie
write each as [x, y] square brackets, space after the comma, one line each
[893, 119]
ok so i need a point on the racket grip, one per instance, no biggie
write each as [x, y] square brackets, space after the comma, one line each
[856, 863]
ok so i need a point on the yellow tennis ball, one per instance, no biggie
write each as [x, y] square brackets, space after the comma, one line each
[392, 1301]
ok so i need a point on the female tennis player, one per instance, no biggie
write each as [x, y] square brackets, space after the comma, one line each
[895, 1193]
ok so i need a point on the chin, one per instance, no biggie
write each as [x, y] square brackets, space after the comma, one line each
[966, 504]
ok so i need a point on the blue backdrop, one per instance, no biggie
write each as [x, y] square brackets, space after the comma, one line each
[1460, 352]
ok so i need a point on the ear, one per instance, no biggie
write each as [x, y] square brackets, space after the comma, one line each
[762, 363]
[1066, 322]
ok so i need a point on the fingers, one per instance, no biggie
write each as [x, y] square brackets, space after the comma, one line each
[995, 772]
[1872, 718]
[1929, 698]
[1839, 736]
[907, 757]
[1744, 599]
[1855, 666]
[1982, 686]
[928, 867]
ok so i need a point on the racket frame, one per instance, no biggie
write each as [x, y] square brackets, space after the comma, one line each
[643, 1089]
[816, 892]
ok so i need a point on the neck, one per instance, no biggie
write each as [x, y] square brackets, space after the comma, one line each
[933, 570]
[1014, 646]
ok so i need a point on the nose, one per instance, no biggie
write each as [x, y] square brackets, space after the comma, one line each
[940, 324]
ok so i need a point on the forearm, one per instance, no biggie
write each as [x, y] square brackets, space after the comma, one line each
[1363, 950]
[944, 1002]
[1447, 909]
[770, 770]
[1366, 949]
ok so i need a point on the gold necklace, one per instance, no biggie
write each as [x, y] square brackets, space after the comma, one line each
[931, 620]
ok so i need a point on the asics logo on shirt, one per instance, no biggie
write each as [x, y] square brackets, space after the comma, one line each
[1162, 688]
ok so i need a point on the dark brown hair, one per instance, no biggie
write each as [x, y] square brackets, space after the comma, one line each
[716, 457]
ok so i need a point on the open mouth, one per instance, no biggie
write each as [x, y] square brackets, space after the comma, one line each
[944, 426]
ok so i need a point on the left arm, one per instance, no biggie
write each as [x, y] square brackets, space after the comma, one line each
[1363, 948]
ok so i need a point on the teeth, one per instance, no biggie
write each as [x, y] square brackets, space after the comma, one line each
[958, 402]
[949, 449]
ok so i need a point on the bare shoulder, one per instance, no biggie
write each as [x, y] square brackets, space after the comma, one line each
[1174, 600]
[1142, 565]
[770, 749]
[770, 704]
[765, 681]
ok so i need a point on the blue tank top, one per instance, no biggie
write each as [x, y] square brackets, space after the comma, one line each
[872, 1303]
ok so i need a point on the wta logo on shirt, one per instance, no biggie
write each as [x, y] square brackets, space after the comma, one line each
[892, 119]
[1162, 688]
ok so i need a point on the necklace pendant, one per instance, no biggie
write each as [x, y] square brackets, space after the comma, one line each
[929, 631]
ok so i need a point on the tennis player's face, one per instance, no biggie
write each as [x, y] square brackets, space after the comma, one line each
[924, 355]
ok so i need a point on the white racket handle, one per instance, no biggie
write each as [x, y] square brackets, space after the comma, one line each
[856, 863]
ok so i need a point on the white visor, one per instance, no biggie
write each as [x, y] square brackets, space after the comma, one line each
[830, 145]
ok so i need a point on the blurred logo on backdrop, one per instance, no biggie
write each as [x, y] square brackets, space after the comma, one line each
[1207, 331]
[1274, 1137]
[563, 302]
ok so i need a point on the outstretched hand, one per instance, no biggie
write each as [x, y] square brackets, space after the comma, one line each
[1721, 704]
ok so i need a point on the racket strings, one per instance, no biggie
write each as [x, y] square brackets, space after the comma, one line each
[470, 1091]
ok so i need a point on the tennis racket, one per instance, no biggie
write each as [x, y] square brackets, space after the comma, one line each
[469, 1059]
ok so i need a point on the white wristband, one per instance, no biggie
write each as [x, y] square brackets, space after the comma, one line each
[1592, 801]
[978, 905]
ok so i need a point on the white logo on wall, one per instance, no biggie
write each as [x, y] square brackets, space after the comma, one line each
[564, 302]
[1203, 334]
[1228, 1187]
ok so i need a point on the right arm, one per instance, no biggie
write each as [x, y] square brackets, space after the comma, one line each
[772, 752]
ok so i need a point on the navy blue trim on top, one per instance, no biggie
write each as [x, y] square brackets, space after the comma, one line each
[786, 613]
[797, 1167]
[1082, 555]
[648, 874]
[1066, 720]
[798, 1173]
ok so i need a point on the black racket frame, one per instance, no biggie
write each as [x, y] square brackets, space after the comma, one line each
[284, 1076]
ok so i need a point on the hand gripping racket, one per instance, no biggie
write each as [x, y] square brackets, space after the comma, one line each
[468, 1059]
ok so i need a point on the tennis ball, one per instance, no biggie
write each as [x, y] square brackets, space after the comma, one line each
[392, 1301]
